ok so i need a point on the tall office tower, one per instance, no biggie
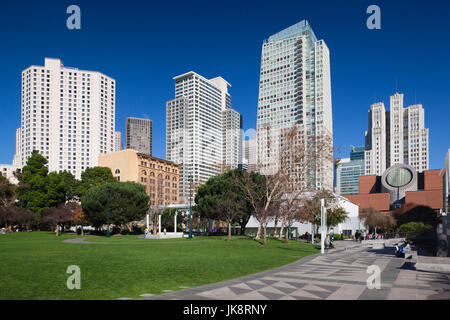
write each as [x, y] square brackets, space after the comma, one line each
[68, 115]
[394, 127]
[139, 135]
[198, 121]
[250, 154]
[118, 146]
[232, 138]
[397, 136]
[295, 89]
[416, 138]
[375, 157]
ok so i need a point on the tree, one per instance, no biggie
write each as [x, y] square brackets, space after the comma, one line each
[71, 186]
[263, 192]
[299, 157]
[8, 193]
[93, 177]
[37, 188]
[14, 215]
[411, 212]
[335, 213]
[375, 219]
[59, 216]
[211, 200]
[128, 203]
[80, 219]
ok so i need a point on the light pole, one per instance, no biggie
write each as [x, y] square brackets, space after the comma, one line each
[190, 206]
[108, 193]
[323, 232]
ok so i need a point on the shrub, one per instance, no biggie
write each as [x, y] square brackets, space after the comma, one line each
[415, 228]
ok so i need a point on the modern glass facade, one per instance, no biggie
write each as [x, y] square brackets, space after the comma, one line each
[295, 89]
[348, 177]
[356, 153]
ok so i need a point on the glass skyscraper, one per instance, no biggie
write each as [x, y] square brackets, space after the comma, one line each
[294, 89]
[349, 170]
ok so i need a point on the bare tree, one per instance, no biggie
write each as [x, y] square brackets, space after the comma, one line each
[375, 219]
[263, 192]
[300, 158]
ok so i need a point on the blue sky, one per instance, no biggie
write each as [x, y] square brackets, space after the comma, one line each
[144, 44]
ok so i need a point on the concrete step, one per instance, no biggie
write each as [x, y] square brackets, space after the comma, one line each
[433, 264]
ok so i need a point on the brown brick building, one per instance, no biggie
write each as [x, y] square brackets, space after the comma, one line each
[160, 177]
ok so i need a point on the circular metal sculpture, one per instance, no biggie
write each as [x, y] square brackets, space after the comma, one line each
[398, 179]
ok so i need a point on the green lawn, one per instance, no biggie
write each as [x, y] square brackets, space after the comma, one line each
[33, 265]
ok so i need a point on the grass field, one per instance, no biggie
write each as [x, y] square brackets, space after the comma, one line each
[33, 265]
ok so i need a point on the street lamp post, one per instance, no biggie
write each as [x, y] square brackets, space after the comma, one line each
[108, 194]
[190, 207]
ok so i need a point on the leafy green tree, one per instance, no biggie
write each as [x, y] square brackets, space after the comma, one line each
[37, 189]
[71, 185]
[220, 198]
[335, 213]
[415, 228]
[93, 177]
[128, 203]
[33, 184]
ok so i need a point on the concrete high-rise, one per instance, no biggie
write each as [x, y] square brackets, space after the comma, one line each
[397, 136]
[375, 140]
[139, 135]
[68, 115]
[202, 131]
[118, 146]
[250, 155]
[295, 89]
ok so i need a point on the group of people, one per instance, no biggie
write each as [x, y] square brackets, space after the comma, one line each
[367, 236]
[10, 229]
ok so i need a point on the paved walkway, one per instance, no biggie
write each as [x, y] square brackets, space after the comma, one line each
[340, 274]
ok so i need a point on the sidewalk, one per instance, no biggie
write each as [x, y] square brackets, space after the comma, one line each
[339, 274]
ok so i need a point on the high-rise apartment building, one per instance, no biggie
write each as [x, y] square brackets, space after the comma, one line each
[68, 115]
[118, 146]
[398, 136]
[232, 138]
[250, 154]
[295, 89]
[139, 135]
[202, 131]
